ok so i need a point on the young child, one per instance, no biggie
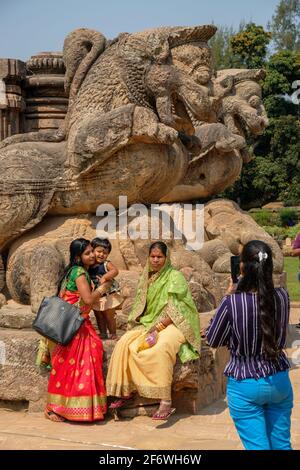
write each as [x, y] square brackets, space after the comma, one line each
[102, 274]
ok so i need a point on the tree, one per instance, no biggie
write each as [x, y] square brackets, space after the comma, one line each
[281, 71]
[221, 49]
[274, 172]
[245, 48]
[285, 25]
[277, 160]
[250, 45]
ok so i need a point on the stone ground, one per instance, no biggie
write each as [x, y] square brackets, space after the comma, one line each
[211, 429]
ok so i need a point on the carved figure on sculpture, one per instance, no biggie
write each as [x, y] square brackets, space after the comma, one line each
[146, 119]
[36, 260]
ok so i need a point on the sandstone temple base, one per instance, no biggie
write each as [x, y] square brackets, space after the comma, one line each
[23, 386]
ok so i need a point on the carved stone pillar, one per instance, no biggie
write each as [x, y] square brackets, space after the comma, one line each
[46, 100]
[12, 103]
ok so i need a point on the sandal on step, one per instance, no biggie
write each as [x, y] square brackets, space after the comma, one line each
[49, 414]
[114, 337]
[163, 416]
[120, 402]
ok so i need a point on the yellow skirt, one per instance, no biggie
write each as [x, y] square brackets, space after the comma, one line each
[149, 372]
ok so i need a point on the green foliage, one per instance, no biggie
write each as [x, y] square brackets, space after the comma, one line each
[274, 172]
[287, 215]
[291, 266]
[265, 217]
[221, 49]
[292, 232]
[277, 106]
[270, 221]
[285, 63]
[250, 45]
[285, 25]
[275, 83]
[281, 71]
[280, 233]
[277, 164]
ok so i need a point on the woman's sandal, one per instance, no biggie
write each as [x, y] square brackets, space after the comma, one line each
[163, 416]
[49, 414]
[120, 402]
[114, 337]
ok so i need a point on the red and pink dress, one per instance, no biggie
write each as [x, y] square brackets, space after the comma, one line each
[76, 387]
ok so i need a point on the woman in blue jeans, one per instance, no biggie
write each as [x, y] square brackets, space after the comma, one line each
[252, 321]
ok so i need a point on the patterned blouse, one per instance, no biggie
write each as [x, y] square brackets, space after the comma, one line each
[74, 273]
[236, 325]
[69, 290]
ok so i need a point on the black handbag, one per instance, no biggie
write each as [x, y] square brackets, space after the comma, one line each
[57, 320]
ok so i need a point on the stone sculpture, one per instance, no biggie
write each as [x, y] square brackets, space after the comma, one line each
[223, 145]
[133, 106]
[146, 119]
[36, 259]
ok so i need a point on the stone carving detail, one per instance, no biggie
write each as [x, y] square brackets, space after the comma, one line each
[141, 116]
[223, 146]
[135, 103]
[36, 259]
[12, 102]
[46, 99]
[146, 119]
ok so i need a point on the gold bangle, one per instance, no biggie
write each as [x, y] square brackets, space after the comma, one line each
[100, 289]
[160, 326]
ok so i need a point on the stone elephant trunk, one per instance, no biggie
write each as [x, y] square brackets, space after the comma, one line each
[239, 115]
[241, 108]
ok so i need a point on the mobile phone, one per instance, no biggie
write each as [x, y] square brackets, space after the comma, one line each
[235, 268]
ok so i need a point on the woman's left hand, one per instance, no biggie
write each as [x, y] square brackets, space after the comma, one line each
[203, 333]
[149, 341]
[151, 338]
[231, 288]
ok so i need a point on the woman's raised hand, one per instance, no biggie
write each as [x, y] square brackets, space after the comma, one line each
[231, 288]
[203, 333]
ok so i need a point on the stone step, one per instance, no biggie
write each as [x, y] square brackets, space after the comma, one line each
[17, 316]
[195, 384]
[295, 304]
[14, 315]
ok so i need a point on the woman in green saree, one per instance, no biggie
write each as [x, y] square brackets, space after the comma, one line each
[163, 322]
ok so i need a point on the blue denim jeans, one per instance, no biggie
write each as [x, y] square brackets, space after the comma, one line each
[261, 410]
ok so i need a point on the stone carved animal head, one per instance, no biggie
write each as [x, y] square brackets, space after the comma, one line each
[241, 109]
[146, 69]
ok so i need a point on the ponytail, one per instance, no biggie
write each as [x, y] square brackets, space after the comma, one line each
[266, 301]
[257, 262]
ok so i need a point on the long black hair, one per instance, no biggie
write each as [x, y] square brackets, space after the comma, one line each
[161, 246]
[77, 247]
[257, 276]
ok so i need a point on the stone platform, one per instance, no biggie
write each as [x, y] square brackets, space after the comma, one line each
[210, 429]
[23, 385]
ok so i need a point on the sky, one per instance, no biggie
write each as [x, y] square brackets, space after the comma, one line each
[31, 26]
